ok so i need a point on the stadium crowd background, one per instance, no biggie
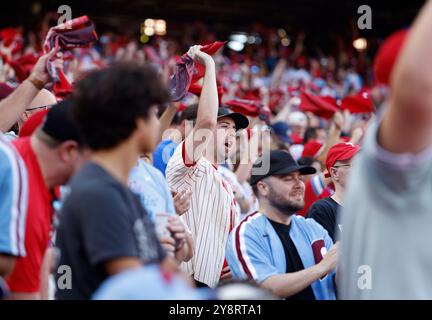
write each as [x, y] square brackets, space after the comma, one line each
[311, 86]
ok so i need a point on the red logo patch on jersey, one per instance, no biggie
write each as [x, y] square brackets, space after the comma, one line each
[319, 250]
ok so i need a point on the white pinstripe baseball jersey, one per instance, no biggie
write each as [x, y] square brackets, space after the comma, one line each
[211, 216]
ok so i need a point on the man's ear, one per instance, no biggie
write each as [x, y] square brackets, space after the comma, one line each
[68, 151]
[140, 124]
[334, 174]
[262, 188]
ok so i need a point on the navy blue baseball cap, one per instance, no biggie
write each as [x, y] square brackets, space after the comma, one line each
[282, 130]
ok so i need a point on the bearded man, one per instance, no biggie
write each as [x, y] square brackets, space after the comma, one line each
[289, 255]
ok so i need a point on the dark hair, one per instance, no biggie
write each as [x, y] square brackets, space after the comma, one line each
[310, 134]
[109, 101]
[190, 113]
[255, 187]
[306, 161]
[176, 119]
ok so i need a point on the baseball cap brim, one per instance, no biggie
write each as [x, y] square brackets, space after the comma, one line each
[303, 170]
[241, 121]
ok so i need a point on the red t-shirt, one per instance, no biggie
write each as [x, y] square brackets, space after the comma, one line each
[25, 277]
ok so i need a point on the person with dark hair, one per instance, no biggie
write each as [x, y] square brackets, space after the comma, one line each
[104, 228]
[289, 255]
[281, 136]
[52, 154]
[315, 133]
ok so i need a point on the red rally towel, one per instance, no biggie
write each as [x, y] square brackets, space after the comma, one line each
[78, 32]
[187, 71]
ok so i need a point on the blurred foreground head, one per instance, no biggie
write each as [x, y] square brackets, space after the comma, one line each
[120, 103]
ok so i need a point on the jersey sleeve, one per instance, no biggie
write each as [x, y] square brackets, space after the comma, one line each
[14, 201]
[247, 257]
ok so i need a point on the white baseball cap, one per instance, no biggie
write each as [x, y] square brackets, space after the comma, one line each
[297, 118]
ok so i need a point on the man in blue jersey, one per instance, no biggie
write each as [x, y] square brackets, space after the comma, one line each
[289, 255]
[13, 207]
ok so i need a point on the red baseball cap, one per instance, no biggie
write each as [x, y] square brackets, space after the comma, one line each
[33, 122]
[387, 55]
[312, 148]
[340, 152]
[358, 103]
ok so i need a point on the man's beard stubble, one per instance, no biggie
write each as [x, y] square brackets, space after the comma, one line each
[283, 205]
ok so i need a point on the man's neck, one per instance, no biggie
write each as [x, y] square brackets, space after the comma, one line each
[211, 155]
[274, 214]
[118, 161]
[338, 195]
[46, 161]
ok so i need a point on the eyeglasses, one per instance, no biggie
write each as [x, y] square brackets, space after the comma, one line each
[41, 107]
[348, 165]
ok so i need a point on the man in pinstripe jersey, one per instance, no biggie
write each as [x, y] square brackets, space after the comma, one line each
[193, 166]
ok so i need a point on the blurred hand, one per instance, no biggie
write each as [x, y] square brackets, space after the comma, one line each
[330, 260]
[39, 71]
[58, 62]
[178, 232]
[182, 201]
[226, 274]
[356, 135]
[168, 243]
[338, 120]
[197, 55]
[237, 193]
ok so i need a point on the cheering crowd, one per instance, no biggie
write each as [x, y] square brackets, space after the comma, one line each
[153, 172]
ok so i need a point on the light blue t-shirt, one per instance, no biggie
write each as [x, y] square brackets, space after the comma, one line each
[163, 153]
[149, 283]
[149, 183]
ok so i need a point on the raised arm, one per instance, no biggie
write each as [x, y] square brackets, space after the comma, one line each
[166, 118]
[333, 136]
[407, 126]
[16, 103]
[197, 141]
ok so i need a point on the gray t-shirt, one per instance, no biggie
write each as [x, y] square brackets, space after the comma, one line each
[101, 220]
[387, 224]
